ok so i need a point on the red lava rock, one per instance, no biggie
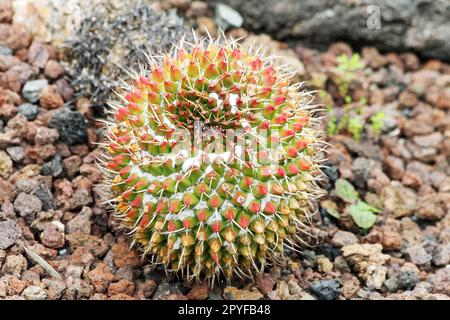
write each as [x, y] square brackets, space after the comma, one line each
[53, 70]
[411, 179]
[14, 265]
[72, 165]
[391, 240]
[15, 36]
[82, 195]
[147, 288]
[418, 255]
[8, 111]
[44, 252]
[46, 152]
[431, 207]
[27, 205]
[50, 98]
[46, 135]
[264, 282]
[6, 11]
[100, 277]
[52, 236]
[77, 289]
[394, 167]
[77, 239]
[431, 140]
[373, 58]
[408, 99]
[84, 106]
[54, 288]
[64, 192]
[6, 62]
[410, 61]
[80, 149]
[16, 77]
[122, 255]
[344, 238]
[198, 9]
[121, 287]
[338, 48]
[92, 172]
[8, 191]
[200, 291]
[64, 89]
[443, 99]
[350, 286]
[38, 54]
[81, 222]
[82, 256]
[16, 286]
[441, 281]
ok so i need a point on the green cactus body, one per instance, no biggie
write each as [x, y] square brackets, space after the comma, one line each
[233, 203]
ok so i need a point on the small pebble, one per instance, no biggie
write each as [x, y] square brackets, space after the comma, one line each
[32, 89]
[30, 111]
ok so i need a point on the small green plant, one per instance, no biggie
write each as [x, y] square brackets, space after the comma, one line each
[355, 127]
[349, 64]
[363, 214]
[347, 67]
[377, 122]
[352, 119]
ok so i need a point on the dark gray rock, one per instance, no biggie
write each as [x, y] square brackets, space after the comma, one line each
[71, 126]
[326, 289]
[408, 279]
[27, 205]
[30, 111]
[53, 168]
[391, 284]
[441, 256]
[45, 195]
[9, 232]
[419, 25]
[17, 153]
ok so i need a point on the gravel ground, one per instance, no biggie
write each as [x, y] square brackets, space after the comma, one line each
[57, 241]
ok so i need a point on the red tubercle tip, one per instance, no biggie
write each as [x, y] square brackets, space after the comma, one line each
[171, 226]
[292, 152]
[122, 114]
[270, 208]
[144, 221]
[256, 64]
[230, 214]
[244, 222]
[202, 215]
[281, 119]
[281, 172]
[304, 166]
[263, 189]
[279, 100]
[216, 226]
[255, 207]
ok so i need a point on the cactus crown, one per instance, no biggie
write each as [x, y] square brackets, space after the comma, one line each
[213, 160]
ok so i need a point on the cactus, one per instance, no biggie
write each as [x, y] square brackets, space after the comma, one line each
[213, 159]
